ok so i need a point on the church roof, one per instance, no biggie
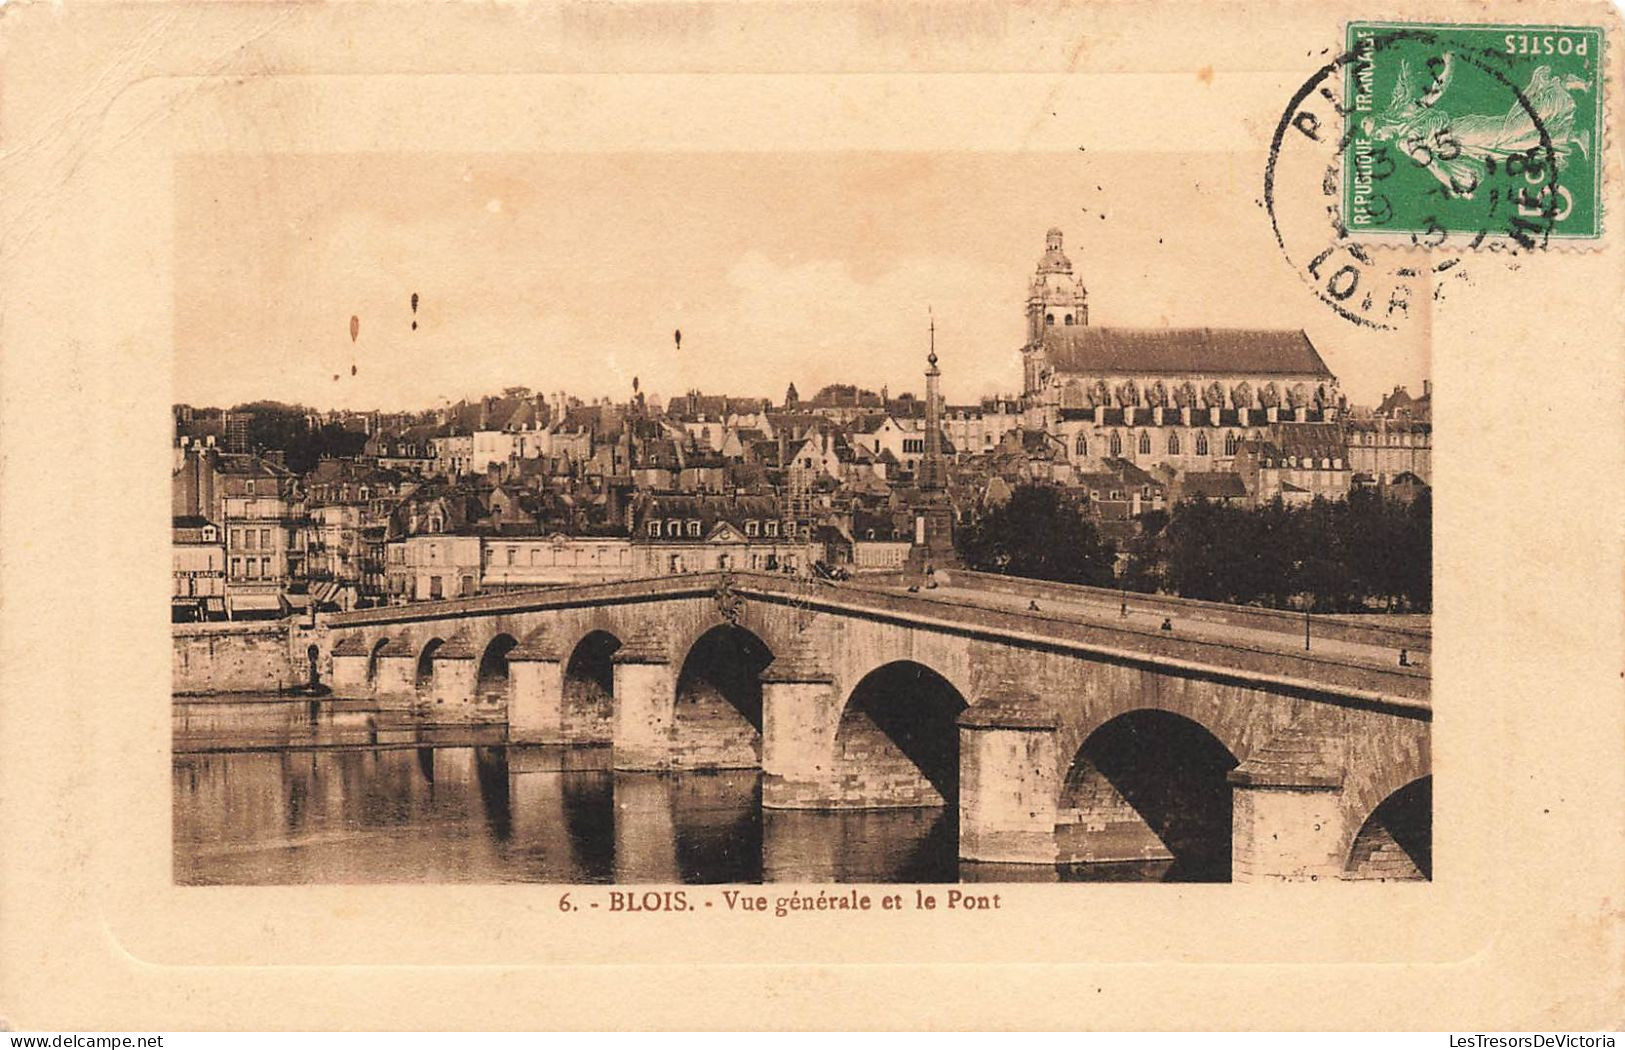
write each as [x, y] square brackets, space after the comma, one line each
[1176, 351]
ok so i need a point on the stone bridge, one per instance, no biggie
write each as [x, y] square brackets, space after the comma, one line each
[1066, 724]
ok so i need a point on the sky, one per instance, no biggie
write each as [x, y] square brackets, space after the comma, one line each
[572, 271]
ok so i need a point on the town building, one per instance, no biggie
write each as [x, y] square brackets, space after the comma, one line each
[1380, 449]
[264, 518]
[199, 558]
[433, 565]
[512, 563]
[673, 534]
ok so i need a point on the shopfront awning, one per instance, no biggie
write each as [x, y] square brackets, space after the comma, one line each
[254, 603]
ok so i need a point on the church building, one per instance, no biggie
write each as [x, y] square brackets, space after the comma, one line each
[1180, 399]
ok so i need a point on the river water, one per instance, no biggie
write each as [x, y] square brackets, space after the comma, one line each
[275, 792]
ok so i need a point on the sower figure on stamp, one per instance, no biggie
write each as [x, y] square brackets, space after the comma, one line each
[1460, 151]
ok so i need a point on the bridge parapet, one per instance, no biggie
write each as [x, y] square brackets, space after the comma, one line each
[1414, 639]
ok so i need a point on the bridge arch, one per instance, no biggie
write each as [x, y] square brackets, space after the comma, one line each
[373, 656]
[897, 740]
[1396, 841]
[589, 682]
[1149, 789]
[769, 624]
[491, 680]
[718, 706]
[423, 672]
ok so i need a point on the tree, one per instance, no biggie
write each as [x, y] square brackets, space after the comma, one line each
[1039, 535]
[1143, 571]
[1341, 554]
[276, 426]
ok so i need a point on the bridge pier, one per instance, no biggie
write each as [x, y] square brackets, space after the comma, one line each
[1008, 780]
[800, 713]
[455, 681]
[1287, 822]
[395, 682]
[536, 691]
[350, 658]
[535, 699]
[645, 695]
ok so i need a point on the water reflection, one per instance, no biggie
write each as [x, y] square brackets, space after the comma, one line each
[279, 793]
[487, 814]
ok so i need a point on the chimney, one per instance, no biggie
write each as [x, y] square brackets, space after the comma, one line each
[1427, 388]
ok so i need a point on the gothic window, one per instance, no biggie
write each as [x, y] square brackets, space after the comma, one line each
[1230, 444]
[1201, 443]
[1145, 443]
[1117, 443]
[1083, 445]
[1173, 443]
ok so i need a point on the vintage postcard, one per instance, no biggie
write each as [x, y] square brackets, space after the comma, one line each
[673, 508]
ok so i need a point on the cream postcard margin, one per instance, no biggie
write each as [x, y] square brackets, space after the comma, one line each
[1523, 925]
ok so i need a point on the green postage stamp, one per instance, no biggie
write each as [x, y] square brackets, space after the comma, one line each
[1483, 130]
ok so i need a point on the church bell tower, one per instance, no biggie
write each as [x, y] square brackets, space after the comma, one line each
[1055, 299]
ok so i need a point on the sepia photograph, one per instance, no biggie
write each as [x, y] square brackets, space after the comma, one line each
[677, 519]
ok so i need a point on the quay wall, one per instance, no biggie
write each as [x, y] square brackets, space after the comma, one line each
[231, 658]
